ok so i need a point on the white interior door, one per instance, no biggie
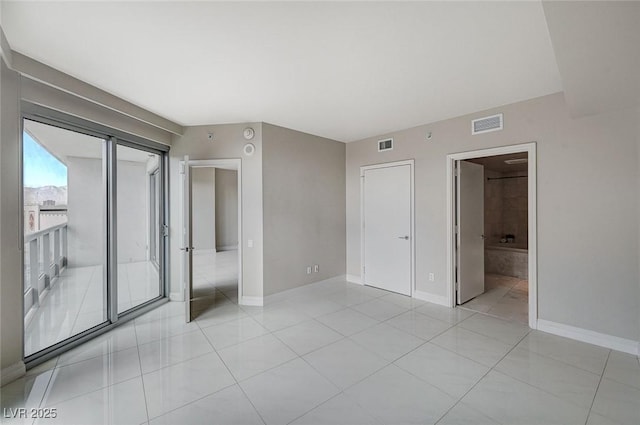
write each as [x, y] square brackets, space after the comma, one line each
[470, 239]
[387, 228]
[187, 254]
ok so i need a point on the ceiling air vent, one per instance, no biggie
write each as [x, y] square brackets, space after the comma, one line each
[385, 145]
[487, 124]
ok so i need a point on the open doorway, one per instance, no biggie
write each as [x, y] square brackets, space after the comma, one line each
[493, 238]
[213, 260]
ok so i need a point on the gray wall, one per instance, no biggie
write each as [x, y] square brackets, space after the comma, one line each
[11, 241]
[203, 200]
[587, 206]
[304, 208]
[226, 229]
[228, 143]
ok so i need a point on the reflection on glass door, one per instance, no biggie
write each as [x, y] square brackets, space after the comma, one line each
[64, 234]
[138, 229]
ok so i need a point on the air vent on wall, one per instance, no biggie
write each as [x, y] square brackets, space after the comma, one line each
[487, 124]
[385, 145]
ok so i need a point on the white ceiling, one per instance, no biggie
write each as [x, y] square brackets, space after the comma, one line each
[340, 70]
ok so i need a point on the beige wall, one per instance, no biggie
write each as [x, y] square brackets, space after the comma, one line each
[203, 201]
[228, 143]
[11, 241]
[587, 218]
[226, 200]
[304, 204]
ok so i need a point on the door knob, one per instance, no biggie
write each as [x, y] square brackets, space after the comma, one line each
[406, 238]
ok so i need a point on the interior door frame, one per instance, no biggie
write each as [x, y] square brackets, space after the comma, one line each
[412, 233]
[218, 163]
[530, 150]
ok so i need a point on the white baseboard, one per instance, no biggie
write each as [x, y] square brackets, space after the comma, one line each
[227, 248]
[176, 296]
[253, 301]
[432, 298]
[11, 373]
[207, 251]
[352, 278]
[603, 340]
[283, 295]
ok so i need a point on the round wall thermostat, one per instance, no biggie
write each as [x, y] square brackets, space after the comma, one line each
[249, 149]
[249, 133]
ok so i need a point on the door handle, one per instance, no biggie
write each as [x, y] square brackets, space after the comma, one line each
[406, 238]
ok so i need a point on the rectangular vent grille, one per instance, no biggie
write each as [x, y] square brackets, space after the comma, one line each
[385, 145]
[487, 124]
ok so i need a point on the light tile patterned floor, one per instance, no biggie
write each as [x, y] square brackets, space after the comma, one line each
[505, 297]
[363, 356]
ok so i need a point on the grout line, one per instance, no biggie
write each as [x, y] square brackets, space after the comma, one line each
[144, 391]
[595, 394]
[234, 378]
[492, 368]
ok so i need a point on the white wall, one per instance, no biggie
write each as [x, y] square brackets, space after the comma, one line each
[228, 143]
[226, 209]
[11, 240]
[86, 212]
[304, 208]
[587, 216]
[133, 215]
[203, 199]
[86, 203]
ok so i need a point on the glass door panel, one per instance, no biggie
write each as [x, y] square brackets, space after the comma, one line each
[138, 226]
[64, 234]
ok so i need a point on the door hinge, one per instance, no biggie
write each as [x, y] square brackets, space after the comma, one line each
[165, 230]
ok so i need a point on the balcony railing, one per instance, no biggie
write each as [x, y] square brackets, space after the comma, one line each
[45, 256]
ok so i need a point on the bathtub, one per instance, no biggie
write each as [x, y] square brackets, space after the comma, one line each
[507, 260]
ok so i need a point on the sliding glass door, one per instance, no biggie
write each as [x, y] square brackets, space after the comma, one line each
[64, 234]
[94, 220]
[138, 229]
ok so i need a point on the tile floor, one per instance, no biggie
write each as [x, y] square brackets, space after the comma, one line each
[75, 302]
[505, 297]
[330, 353]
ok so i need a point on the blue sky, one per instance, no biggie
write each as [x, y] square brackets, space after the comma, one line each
[40, 167]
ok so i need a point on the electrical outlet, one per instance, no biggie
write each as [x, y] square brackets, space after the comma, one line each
[432, 277]
[309, 270]
[316, 268]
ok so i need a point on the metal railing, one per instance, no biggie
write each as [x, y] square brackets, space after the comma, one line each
[45, 256]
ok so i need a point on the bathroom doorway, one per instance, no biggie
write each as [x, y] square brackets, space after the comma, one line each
[212, 264]
[493, 238]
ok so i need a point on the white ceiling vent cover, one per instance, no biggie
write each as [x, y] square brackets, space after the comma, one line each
[487, 124]
[385, 145]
